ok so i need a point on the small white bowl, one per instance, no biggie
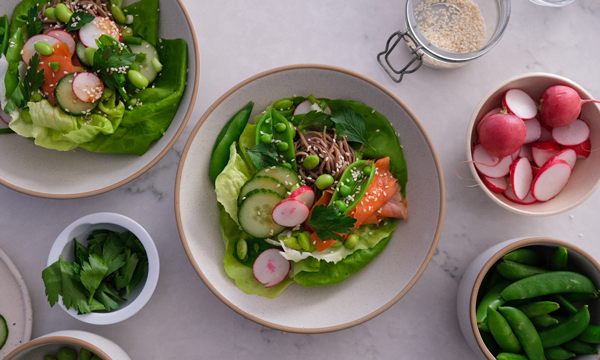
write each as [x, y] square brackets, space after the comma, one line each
[80, 229]
[471, 282]
[48, 344]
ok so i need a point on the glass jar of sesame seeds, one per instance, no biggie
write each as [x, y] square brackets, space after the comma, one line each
[446, 34]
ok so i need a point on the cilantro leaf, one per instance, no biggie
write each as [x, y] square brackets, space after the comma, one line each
[34, 79]
[315, 121]
[350, 124]
[110, 62]
[92, 273]
[53, 282]
[328, 222]
[34, 23]
[78, 19]
[263, 155]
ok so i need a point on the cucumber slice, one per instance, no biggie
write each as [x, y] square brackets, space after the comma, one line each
[3, 331]
[261, 182]
[146, 67]
[67, 101]
[288, 177]
[80, 51]
[254, 213]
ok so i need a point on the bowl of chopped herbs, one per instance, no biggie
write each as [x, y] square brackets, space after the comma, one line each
[102, 269]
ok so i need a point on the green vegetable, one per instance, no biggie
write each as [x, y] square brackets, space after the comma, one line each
[230, 181]
[558, 353]
[311, 162]
[118, 14]
[63, 13]
[305, 243]
[265, 134]
[567, 330]
[564, 303]
[133, 40]
[43, 48]
[242, 249]
[511, 356]
[78, 20]
[492, 299]
[111, 56]
[515, 271]
[66, 353]
[137, 79]
[4, 34]
[502, 332]
[591, 334]
[85, 354]
[543, 321]
[34, 79]
[525, 331]
[50, 13]
[324, 181]
[351, 241]
[351, 125]
[559, 259]
[55, 65]
[3, 331]
[358, 184]
[548, 283]
[539, 308]
[526, 256]
[328, 224]
[580, 347]
[20, 15]
[34, 23]
[145, 20]
[13, 56]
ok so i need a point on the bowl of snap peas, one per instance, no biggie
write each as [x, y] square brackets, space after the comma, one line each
[531, 299]
[69, 345]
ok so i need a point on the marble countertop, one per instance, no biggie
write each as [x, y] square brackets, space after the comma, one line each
[238, 39]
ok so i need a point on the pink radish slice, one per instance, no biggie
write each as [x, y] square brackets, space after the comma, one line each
[510, 195]
[568, 155]
[29, 47]
[290, 212]
[497, 186]
[560, 105]
[489, 165]
[519, 103]
[270, 268]
[521, 177]
[305, 107]
[304, 194]
[515, 155]
[550, 180]
[65, 37]
[583, 150]
[575, 133]
[534, 130]
[4, 117]
[502, 134]
[535, 170]
[88, 87]
[526, 152]
[542, 151]
[92, 31]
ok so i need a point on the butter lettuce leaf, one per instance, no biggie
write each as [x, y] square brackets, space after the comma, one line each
[230, 181]
[145, 19]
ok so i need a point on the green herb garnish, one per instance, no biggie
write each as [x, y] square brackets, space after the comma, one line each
[328, 223]
[350, 124]
[111, 62]
[78, 19]
[263, 155]
[34, 23]
[315, 121]
[34, 79]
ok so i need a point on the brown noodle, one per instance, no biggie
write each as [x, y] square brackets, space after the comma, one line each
[94, 7]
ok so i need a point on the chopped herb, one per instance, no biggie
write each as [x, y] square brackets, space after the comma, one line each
[315, 121]
[351, 124]
[34, 79]
[328, 223]
[111, 62]
[34, 23]
[78, 19]
[263, 155]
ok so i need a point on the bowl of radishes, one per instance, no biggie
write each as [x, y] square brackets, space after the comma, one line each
[530, 144]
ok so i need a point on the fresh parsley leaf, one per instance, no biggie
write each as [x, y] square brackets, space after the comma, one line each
[81, 252]
[328, 223]
[78, 19]
[315, 121]
[105, 296]
[110, 62]
[92, 273]
[73, 292]
[53, 282]
[112, 254]
[18, 99]
[34, 23]
[34, 78]
[125, 274]
[263, 155]
[350, 124]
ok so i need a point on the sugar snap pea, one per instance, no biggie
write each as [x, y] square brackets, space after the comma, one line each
[526, 256]
[544, 321]
[511, 356]
[490, 343]
[558, 353]
[516, 271]
[355, 178]
[4, 34]
[491, 299]
[491, 278]
[525, 331]
[558, 259]
[567, 330]
[230, 133]
[575, 297]
[548, 283]
[538, 308]
[591, 334]
[502, 333]
[580, 347]
[564, 303]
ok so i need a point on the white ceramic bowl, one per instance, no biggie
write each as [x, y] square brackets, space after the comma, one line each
[473, 276]
[373, 289]
[80, 229]
[37, 171]
[585, 177]
[48, 345]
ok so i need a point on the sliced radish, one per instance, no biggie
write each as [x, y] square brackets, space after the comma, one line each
[534, 130]
[489, 165]
[515, 155]
[526, 152]
[521, 177]
[88, 87]
[510, 195]
[575, 133]
[92, 31]
[498, 185]
[550, 180]
[4, 117]
[583, 150]
[29, 47]
[306, 106]
[65, 37]
[568, 155]
[290, 212]
[535, 170]
[304, 194]
[270, 268]
[546, 134]
[519, 103]
[542, 151]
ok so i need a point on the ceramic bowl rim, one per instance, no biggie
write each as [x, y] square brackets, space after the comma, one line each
[58, 340]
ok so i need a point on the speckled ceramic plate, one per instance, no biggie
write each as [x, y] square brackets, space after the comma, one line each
[376, 287]
[34, 170]
[15, 305]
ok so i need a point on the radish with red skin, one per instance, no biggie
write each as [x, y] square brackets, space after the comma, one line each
[304, 194]
[526, 152]
[583, 150]
[520, 177]
[509, 194]
[491, 112]
[65, 37]
[502, 134]
[517, 102]
[550, 180]
[534, 130]
[560, 105]
[29, 46]
[290, 212]
[546, 134]
[542, 151]
[535, 170]
[496, 185]
[489, 165]
[575, 133]
[270, 268]
[304, 108]
[568, 155]
[90, 32]
[88, 87]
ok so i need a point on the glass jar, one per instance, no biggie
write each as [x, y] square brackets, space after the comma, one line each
[554, 3]
[495, 15]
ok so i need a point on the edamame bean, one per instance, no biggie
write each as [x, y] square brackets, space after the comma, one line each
[118, 14]
[85, 354]
[266, 138]
[580, 347]
[280, 127]
[291, 242]
[538, 308]
[242, 249]
[548, 283]
[26, 116]
[66, 353]
[502, 332]
[567, 330]
[304, 242]
[491, 299]
[510, 356]
[340, 205]
[526, 256]
[351, 241]
[525, 331]
[36, 96]
[156, 64]
[137, 79]
[559, 259]
[50, 14]
[558, 353]
[63, 13]
[324, 181]
[283, 104]
[515, 271]
[282, 146]
[89, 53]
[43, 48]
[311, 162]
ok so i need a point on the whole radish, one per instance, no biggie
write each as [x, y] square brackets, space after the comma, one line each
[502, 134]
[560, 106]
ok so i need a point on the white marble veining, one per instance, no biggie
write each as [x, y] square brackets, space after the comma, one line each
[238, 39]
